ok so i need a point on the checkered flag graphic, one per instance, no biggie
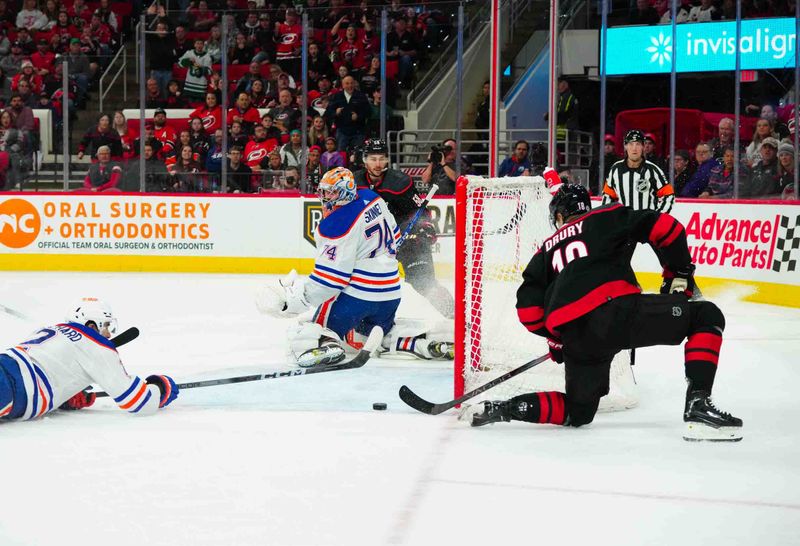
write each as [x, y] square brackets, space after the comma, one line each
[788, 242]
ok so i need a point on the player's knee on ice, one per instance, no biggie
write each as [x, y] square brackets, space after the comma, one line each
[706, 316]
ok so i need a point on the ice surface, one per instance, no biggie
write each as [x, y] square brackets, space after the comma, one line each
[306, 460]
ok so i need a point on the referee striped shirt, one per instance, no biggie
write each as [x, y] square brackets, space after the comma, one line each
[641, 188]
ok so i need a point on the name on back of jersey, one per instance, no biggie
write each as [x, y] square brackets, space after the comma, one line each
[564, 233]
[372, 213]
[70, 333]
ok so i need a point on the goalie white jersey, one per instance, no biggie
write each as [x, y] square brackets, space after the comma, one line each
[62, 360]
[356, 253]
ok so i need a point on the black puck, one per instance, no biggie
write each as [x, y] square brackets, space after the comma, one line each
[379, 406]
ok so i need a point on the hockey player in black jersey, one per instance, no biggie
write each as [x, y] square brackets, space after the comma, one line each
[397, 189]
[580, 293]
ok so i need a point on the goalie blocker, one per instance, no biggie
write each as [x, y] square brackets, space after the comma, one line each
[580, 291]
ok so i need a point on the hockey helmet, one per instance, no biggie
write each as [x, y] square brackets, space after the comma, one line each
[634, 135]
[570, 200]
[93, 310]
[375, 146]
[337, 188]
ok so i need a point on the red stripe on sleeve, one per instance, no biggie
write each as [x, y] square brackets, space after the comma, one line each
[530, 314]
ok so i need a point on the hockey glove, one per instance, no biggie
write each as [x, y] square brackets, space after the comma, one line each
[556, 350]
[81, 400]
[169, 390]
[678, 282]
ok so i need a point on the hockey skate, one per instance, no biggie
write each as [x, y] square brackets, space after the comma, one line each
[329, 352]
[704, 422]
[493, 412]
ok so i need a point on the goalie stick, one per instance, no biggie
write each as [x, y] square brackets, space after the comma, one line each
[420, 210]
[363, 356]
[420, 404]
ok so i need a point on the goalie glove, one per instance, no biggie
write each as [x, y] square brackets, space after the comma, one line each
[678, 282]
[294, 289]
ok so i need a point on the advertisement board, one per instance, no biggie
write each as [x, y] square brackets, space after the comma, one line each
[701, 47]
[747, 243]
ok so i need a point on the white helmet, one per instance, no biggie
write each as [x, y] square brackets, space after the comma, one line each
[93, 310]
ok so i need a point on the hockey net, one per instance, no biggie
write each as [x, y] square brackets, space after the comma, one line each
[500, 223]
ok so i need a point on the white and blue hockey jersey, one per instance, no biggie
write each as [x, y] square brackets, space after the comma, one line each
[356, 253]
[62, 360]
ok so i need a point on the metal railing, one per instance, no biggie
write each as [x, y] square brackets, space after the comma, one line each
[409, 149]
[106, 87]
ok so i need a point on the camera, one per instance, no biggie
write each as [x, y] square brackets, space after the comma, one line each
[437, 152]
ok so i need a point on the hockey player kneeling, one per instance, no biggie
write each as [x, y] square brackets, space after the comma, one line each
[53, 368]
[580, 292]
[355, 285]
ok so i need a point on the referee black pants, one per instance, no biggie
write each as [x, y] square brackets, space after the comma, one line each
[639, 320]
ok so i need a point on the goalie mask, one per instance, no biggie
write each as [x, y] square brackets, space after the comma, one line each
[337, 188]
[94, 310]
[570, 200]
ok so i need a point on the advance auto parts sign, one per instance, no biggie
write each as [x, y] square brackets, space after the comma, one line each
[107, 224]
[746, 242]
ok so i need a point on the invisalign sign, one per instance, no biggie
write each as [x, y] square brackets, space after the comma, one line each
[701, 47]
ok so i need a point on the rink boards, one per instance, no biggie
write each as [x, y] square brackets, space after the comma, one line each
[755, 244]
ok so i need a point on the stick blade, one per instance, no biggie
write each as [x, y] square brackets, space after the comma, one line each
[415, 401]
[125, 337]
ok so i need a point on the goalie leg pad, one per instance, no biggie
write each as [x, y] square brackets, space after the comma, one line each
[312, 344]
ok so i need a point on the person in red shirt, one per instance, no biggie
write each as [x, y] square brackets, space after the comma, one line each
[101, 31]
[80, 14]
[258, 148]
[43, 59]
[163, 132]
[210, 113]
[288, 37]
[244, 113]
[27, 73]
[352, 49]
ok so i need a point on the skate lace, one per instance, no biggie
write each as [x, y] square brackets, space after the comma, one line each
[717, 410]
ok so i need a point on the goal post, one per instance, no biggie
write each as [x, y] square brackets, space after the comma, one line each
[500, 223]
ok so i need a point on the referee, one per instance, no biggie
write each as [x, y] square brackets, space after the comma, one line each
[636, 182]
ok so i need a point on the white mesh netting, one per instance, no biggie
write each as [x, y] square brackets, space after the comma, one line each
[507, 219]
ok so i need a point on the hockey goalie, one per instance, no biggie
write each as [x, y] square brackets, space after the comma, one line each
[355, 284]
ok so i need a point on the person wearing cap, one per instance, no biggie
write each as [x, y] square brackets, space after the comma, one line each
[43, 59]
[12, 62]
[30, 17]
[292, 151]
[198, 63]
[764, 180]
[786, 167]
[705, 164]
[650, 153]
[79, 69]
[636, 182]
[764, 129]
[27, 73]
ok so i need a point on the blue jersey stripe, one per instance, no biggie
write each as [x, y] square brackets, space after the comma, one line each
[140, 406]
[127, 393]
[85, 330]
[324, 283]
[47, 386]
[35, 401]
[365, 289]
[332, 270]
[371, 274]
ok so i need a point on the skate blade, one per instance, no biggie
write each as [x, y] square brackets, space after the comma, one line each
[700, 432]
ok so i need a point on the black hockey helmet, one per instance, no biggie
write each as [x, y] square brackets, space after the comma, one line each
[570, 200]
[634, 135]
[375, 146]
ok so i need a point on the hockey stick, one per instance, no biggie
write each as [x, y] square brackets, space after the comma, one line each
[125, 337]
[415, 401]
[363, 356]
[420, 210]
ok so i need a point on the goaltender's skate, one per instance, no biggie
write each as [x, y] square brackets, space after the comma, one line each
[705, 422]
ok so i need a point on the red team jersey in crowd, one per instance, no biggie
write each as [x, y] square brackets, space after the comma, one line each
[254, 152]
[212, 118]
[354, 52]
[288, 40]
[167, 136]
[250, 115]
